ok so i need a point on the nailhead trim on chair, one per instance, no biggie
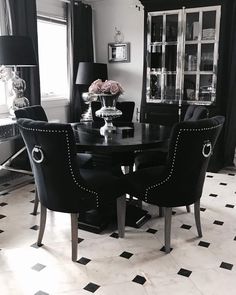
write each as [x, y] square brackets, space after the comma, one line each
[69, 159]
[173, 160]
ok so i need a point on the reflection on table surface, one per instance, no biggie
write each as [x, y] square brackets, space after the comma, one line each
[127, 136]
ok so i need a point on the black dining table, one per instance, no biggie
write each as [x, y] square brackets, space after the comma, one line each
[126, 138]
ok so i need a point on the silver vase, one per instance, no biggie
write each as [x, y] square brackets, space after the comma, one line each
[108, 112]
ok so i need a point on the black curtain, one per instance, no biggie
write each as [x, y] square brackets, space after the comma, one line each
[230, 123]
[80, 48]
[23, 21]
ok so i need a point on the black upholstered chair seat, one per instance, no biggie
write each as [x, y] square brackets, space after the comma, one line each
[180, 181]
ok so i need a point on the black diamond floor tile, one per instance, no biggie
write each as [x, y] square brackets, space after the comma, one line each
[91, 287]
[33, 191]
[1, 231]
[37, 213]
[80, 240]
[184, 272]
[36, 246]
[218, 222]
[235, 238]
[202, 209]
[213, 195]
[226, 265]
[4, 194]
[229, 206]
[114, 235]
[186, 226]
[2, 216]
[35, 227]
[209, 176]
[231, 174]
[139, 280]
[84, 260]
[204, 244]
[163, 249]
[126, 255]
[173, 212]
[3, 204]
[151, 230]
[38, 267]
[223, 183]
[32, 201]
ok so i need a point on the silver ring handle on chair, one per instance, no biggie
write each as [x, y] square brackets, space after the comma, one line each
[37, 150]
[207, 146]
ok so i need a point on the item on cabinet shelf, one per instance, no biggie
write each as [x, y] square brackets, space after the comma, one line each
[208, 34]
[192, 63]
[189, 32]
[195, 30]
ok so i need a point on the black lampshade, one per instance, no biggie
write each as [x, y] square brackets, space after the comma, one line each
[89, 72]
[17, 51]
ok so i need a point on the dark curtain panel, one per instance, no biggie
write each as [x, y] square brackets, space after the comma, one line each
[230, 124]
[80, 48]
[23, 21]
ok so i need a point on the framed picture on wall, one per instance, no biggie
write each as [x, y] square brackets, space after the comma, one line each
[118, 52]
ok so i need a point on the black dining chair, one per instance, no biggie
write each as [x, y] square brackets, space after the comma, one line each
[179, 182]
[62, 185]
[37, 112]
[156, 157]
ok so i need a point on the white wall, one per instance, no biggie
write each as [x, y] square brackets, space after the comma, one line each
[124, 15]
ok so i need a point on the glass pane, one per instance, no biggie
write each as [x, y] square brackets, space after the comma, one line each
[206, 91]
[156, 58]
[207, 56]
[208, 25]
[189, 87]
[52, 58]
[155, 86]
[157, 28]
[171, 27]
[192, 26]
[170, 87]
[170, 57]
[190, 57]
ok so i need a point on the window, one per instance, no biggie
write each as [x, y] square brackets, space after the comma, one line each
[52, 58]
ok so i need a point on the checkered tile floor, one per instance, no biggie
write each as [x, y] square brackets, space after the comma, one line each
[134, 265]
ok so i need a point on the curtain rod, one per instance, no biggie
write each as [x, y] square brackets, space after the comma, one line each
[69, 1]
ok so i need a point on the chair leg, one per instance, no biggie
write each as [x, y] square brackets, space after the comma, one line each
[168, 215]
[121, 212]
[43, 217]
[197, 218]
[74, 235]
[188, 209]
[161, 212]
[36, 202]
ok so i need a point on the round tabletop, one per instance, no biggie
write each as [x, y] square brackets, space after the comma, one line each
[126, 137]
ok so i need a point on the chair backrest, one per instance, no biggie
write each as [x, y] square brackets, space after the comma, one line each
[51, 148]
[190, 148]
[194, 113]
[35, 112]
[127, 108]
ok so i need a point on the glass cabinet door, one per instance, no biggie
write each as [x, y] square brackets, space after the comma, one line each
[182, 55]
[163, 39]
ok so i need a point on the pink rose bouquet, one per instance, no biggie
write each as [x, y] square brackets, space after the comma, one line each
[107, 87]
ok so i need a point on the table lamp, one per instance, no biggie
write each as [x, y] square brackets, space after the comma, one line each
[17, 51]
[87, 73]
